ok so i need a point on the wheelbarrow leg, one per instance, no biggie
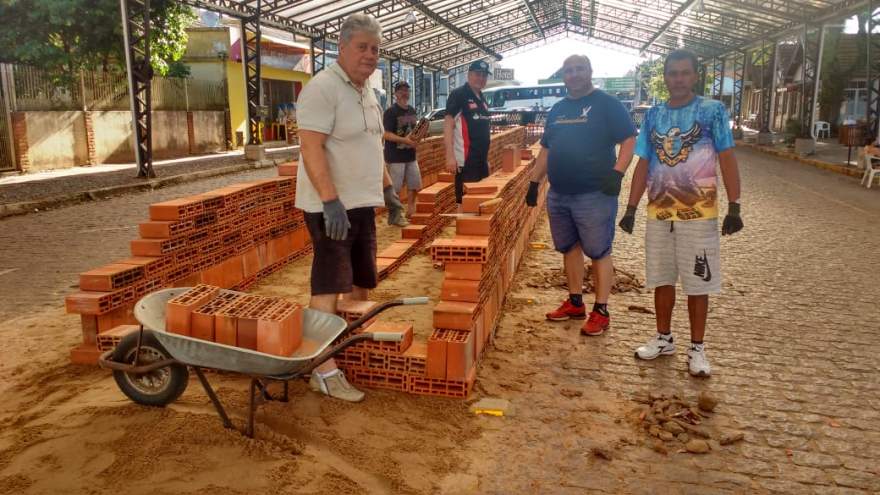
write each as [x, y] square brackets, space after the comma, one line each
[286, 390]
[214, 400]
[249, 432]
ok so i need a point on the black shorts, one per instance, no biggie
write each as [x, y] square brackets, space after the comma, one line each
[468, 173]
[339, 265]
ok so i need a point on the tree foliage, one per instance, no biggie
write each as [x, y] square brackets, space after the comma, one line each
[64, 36]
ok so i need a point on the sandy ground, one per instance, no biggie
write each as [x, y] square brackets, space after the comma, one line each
[68, 429]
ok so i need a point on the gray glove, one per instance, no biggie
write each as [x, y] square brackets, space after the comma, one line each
[336, 222]
[395, 207]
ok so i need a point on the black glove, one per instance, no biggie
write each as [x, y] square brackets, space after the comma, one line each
[532, 195]
[629, 220]
[732, 222]
[611, 183]
[336, 222]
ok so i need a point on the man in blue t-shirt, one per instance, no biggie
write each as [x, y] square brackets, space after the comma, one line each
[678, 146]
[577, 152]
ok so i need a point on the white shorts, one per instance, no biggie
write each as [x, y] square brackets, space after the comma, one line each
[688, 250]
[408, 173]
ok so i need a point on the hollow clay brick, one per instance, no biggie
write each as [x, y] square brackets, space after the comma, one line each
[435, 365]
[178, 311]
[460, 290]
[463, 271]
[454, 315]
[459, 354]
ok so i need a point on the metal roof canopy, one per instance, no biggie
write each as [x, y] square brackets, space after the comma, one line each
[449, 33]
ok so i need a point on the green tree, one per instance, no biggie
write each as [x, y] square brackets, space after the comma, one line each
[64, 36]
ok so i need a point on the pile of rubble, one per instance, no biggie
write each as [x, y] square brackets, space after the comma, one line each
[679, 425]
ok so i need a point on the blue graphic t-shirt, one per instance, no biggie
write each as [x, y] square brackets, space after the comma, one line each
[681, 146]
[580, 135]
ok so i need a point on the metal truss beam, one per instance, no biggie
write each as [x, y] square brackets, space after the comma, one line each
[250, 48]
[459, 14]
[136, 34]
[418, 89]
[443, 37]
[662, 30]
[534, 19]
[417, 4]
[717, 77]
[242, 10]
[812, 41]
[873, 69]
[781, 10]
[396, 72]
[487, 29]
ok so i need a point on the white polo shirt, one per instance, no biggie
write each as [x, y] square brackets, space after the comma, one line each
[352, 118]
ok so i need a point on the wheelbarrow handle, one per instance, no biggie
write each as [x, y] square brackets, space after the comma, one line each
[382, 307]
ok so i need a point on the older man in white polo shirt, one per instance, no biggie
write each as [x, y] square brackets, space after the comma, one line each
[342, 179]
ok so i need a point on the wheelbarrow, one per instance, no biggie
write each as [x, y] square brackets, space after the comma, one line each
[150, 366]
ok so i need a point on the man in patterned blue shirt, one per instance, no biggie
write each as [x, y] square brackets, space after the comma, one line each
[678, 146]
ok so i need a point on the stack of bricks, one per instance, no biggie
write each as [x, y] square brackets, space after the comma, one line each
[436, 197]
[230, 238]
[264, 324]
[479, 264]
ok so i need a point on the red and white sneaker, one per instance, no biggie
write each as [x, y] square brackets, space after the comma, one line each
[568, 311]
[596, 324]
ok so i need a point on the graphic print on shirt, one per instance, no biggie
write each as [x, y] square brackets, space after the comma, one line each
[405, 124]
[682, 146]
[581, 119]
[470, 138]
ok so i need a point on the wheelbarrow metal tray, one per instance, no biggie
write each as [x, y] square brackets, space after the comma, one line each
[319, 331]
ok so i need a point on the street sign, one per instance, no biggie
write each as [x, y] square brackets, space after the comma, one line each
[503, 74]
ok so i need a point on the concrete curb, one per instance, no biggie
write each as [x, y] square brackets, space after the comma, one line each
[25, 207]
[831, 167]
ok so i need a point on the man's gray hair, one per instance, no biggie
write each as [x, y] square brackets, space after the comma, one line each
[581, 58]
[359, 23]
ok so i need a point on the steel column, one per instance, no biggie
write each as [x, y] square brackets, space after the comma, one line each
[436, 99]
[717, 77]
[767, 56]
[873, 69]
[319, 60]
[250, 47]
[136, 36]
[813, 39]
[701, 89]
[396, 72]
[739, 65]
[418, 89]
[773, 80]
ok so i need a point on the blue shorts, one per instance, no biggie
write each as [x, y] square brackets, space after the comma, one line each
[586, 218]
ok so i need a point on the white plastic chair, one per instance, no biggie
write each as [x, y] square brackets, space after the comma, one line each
[872, 168]
[820, 127]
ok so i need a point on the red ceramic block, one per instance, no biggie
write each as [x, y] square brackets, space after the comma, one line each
[250, 263]
[226, 328]
[478, 226]
[300, 239]
[435, 364]
[156, 247]
[510, 158]
[460, 290]
[480, 188]
[454, 315]
[471, 202]
[403, 329]
[85, 354]
[90, 330]
[203, 318]
[88, 303]
[279, 331]
[287, 169]
[397, 249]
[416, 358]
[110, 277]
[413, 232]
[176, 209]
[463, 271]
[178, 311]
[445, 177]
[459, 354]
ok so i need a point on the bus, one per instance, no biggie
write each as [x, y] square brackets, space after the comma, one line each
[540, 97]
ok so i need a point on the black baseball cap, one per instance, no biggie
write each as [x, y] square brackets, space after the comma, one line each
[479, 66]
[401, 84]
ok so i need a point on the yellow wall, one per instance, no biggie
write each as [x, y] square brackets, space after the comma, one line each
[238, 99]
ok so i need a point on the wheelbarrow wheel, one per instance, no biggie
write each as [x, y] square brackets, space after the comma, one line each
[159, 387]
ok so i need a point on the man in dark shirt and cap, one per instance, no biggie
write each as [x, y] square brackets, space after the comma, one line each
[466, 130]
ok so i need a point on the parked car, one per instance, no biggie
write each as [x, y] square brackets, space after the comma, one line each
[435, 118]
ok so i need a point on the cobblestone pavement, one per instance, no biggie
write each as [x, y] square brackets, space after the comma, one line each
[793, 340]
[42, 254]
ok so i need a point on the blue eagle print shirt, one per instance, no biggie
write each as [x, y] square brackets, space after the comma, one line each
[682, 145]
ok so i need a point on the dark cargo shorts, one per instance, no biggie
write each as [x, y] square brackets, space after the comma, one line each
[469, 173]
[337, 266]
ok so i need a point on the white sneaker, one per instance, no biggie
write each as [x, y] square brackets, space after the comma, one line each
[698, 364]
[335, 385]
[657, 346]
